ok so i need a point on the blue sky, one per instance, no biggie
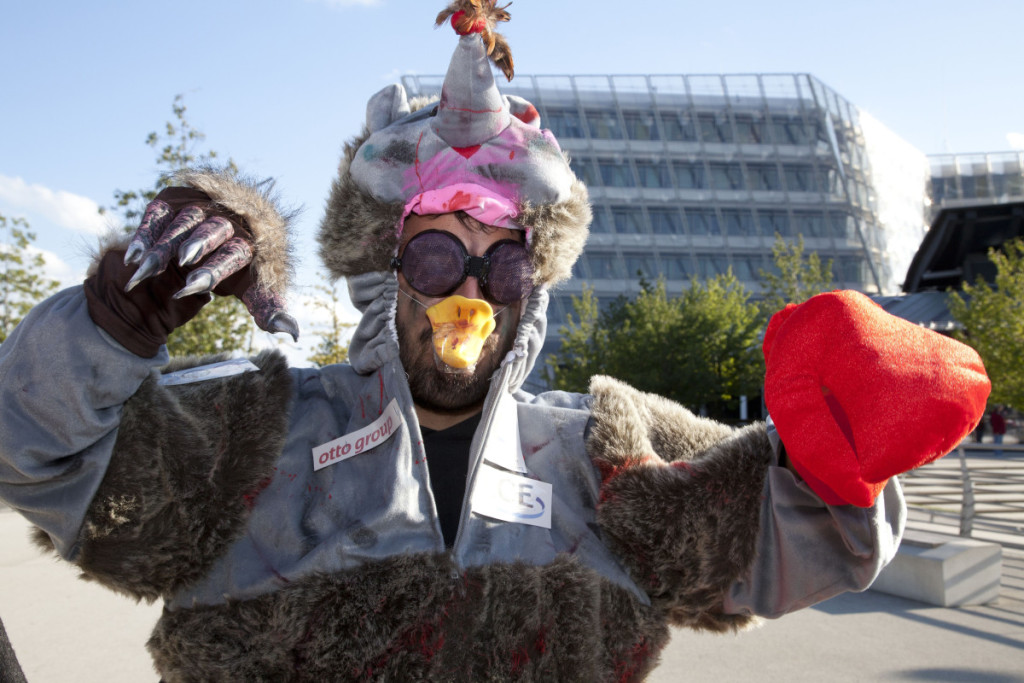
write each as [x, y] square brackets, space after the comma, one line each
[279, 85]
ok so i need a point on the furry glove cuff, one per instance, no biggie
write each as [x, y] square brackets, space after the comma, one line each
[139, 319]
[859, 395]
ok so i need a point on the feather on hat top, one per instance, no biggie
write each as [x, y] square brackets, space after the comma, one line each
[475, 150]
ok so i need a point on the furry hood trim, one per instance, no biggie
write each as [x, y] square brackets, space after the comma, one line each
[257, 204]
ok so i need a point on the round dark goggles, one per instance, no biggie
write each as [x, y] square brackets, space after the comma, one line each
[436, 263]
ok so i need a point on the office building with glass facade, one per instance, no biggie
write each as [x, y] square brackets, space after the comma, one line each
[959, 180]
[693, 175]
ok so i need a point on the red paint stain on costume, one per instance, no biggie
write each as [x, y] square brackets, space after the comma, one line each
[467, 152]
[425, 638]
[626, 670]
[528, 115]
[249, 499]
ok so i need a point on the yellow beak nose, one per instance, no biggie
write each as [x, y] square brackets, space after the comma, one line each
[460, 327]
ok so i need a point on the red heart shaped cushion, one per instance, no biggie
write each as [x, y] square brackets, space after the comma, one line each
[859, 395]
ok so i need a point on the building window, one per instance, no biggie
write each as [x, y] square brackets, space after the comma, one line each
[628, 220]
[665, 221]
[605, 266]
[830, 182]
[564, 123]
[852, 269]
[678, 266]
[774, 223]
[789, 131]
[702, 222]
[690, 176]
[800, 178]
[811, 224]
[584, 170]
[940, 188]
[715, 127]
[746, 267]
[763, 177]
[843, 225]
[968, 187]
[678, 126]
[739, 223]
[653, 174]
[603, 125]
[640, 125]
[726, 177]
[1015, 184]
[600, 223]
[615, 173]
[641, 264]
[710, 265]
[750, 129]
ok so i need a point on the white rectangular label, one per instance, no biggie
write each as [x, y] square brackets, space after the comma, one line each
[373, 434]
[227, 368]
[511, 498]
[503, 446]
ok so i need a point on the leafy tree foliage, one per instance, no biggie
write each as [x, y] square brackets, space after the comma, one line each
[333, 347]
[795, 277]
[993, 323]
[223, 325]
[701, 348]
[22, 284]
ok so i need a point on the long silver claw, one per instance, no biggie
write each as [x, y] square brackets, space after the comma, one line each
[134, 252]
[282, 322]
[157, 215]
[198, 281]
[206, 238]
[150, 266]
[190, 252]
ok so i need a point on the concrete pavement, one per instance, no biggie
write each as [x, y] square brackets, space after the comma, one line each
[867, 637]
[65, 630]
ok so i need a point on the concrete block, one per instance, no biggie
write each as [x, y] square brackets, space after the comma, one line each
[943, 570]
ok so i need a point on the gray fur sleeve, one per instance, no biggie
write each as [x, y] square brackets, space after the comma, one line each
[187, 465]
[713, 531]
[809, 551]
[680, 500]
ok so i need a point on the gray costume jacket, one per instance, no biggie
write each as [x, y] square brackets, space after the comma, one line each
[631, 515]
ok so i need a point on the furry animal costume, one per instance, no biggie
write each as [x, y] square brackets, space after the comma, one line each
[276, 566]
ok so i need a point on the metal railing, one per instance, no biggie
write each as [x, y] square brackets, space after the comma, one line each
[971, 493]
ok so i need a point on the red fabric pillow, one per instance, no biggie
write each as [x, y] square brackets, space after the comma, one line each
[859, 395]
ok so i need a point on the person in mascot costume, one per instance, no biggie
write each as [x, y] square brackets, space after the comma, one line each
[415, 514]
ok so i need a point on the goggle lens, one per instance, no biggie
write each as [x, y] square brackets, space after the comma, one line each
[435, 263]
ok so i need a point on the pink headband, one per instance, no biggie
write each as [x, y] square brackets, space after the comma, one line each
[483, 204]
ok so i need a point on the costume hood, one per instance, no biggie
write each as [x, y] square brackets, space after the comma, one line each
[474, 150]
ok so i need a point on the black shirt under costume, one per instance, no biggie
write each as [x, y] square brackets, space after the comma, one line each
[448, 462]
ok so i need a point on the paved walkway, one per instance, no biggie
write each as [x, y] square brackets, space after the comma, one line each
[66, 630]
[867, 637]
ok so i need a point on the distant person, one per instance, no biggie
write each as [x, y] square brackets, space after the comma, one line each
[998, 423]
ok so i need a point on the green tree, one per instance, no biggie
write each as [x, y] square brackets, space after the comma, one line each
[223, 325]
[993, 323]
[333, 347]
[22, 283]
[700, 348]
[795, 277]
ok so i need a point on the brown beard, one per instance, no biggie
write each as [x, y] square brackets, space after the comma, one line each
[445, 392]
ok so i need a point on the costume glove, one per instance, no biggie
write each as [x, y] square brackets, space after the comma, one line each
[186, 247]
[858, 395]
